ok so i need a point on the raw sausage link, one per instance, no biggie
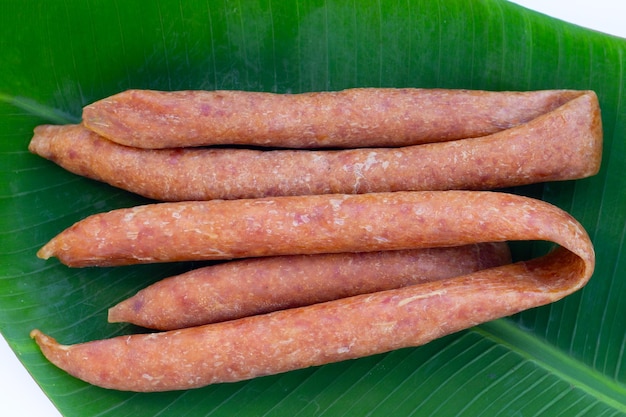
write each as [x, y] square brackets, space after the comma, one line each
[226, 229]
[351, 118]
[563, 144]
[253, 286]
[355, 326]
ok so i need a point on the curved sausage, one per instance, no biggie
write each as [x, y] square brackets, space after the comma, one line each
[356, 326]
[563, 144]
[253, 286]
[360, 117]
[228, 229]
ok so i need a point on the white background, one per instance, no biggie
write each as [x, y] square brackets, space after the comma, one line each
[20, 396]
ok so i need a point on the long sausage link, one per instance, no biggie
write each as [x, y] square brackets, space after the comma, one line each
[247, 287]
[359, 117]
[563, 144]
[228, 229]
[364, 324]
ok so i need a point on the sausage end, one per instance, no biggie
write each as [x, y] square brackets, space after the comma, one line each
[47, 251]
[118, 313]
[47, 344]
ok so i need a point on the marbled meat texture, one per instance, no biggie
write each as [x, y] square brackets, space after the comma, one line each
[563, 144]
[360, 117]
[248, 287]
[361, 325]
[301, 225]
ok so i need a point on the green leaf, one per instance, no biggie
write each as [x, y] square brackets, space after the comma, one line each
[55, 57]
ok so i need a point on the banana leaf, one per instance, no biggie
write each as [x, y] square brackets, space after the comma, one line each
[567, 358]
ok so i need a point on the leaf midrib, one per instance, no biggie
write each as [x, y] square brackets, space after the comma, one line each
[34, 108]
[557, 362]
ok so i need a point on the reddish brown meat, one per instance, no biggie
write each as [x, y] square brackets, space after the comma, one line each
[226, 229]
[352, 118]
[253, 286]
[563, 144]
[356, 326]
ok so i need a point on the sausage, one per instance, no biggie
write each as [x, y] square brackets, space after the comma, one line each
[360, 117]
[301, 225]
[247, 287]
[563, 144]
[356, 326]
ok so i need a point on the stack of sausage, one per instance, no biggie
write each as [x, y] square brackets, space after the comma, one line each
[350, 223]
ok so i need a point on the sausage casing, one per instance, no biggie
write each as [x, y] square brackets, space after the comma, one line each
[563, 144]
[247, 287]
[359, 117]
[301, 225]
[355, 326]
